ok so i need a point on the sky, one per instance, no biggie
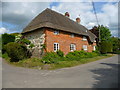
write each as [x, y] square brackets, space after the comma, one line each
[16, 15]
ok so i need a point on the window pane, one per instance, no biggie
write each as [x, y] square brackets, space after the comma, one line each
[72, 47]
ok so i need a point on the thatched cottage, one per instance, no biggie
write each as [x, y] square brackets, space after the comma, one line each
[58, 32]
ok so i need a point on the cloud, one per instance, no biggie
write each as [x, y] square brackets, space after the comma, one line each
[107, 16]
[60, 0]
[18, 14]
[3, 30]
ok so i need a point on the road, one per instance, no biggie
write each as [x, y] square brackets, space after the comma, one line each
[99, 74]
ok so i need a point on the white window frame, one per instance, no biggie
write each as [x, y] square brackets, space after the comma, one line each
[56, 32]
[94, 48]
[84, 38]
[72, 47]
[72, 35]
[85, 47]
[56, 47]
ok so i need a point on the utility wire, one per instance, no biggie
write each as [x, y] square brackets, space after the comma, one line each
[95, 12]
[96, 18]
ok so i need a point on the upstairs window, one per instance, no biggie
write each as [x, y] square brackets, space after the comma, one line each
[94, 40]
[85, 47]
[56, 32]
[84, 38]
[56, 47]
[72, 47]
[72, 35]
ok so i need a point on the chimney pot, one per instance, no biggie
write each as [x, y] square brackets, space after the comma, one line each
[78, 20]
[67, 14]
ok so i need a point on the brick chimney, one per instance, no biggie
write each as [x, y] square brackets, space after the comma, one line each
[78, 20]
[67, 14]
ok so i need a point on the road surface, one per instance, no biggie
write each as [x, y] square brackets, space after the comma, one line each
[98, 74]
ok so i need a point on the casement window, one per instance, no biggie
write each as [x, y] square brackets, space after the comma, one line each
[72, 35]
[72, 47]
[56, 47]
[85, 47]
[94, 48]
[84, 38]
[56, 32]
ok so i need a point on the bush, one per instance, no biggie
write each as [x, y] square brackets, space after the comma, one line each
[106, 47]
[60, 53]
[16, 51]
[7, 38]
[4, 39]
[78, 55]
[72, 56]
[25, 41]
[51, 57]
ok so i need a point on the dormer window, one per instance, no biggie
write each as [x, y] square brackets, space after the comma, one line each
[56, 32]
[72, 35]
[84, 38]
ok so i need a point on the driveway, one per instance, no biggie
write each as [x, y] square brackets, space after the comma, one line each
[98, 74]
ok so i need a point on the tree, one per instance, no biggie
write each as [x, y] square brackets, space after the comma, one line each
[105, 33]
[116, 44]
[7, 38]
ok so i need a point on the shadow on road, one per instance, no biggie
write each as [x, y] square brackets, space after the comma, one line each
[106, 77]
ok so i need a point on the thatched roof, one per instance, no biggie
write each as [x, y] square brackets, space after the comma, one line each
[51, 19]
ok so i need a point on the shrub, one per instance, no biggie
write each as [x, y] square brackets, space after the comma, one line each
[7, 38]
[105, 47]
[72, 56]
[50, 57]
[25, 41]
[60, 53]
[78, 55]
[16, 51]
[4, 39]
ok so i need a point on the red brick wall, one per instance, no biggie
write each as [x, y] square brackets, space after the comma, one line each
[64, 39]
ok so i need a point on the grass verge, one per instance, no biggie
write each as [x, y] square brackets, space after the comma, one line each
[36, 63]
[64, 64]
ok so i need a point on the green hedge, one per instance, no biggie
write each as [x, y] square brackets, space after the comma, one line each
[50, 57]
[77, 55]
[106, 47]
[16, 51]
[7, 38]
[60, 53]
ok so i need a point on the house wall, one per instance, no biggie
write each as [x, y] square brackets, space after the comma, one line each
[36, 37]
[64, 39]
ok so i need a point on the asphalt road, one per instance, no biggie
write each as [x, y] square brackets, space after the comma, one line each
[98, 74]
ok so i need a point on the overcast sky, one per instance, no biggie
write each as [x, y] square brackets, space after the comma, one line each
[16, 15]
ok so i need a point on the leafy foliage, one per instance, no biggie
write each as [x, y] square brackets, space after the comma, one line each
[60, 53]
[7, 38]
[50, 57]
[78, 55]
[25, 41]
[106, 47]
[16, 51]
[116, 45]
